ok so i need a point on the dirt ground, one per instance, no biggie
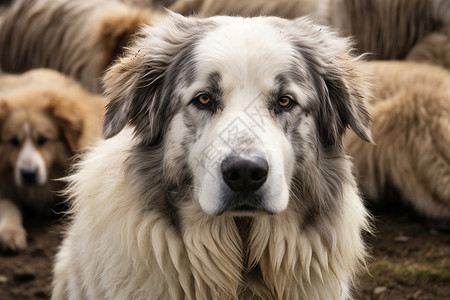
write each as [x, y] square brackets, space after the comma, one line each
[410, 257]
[411, 260]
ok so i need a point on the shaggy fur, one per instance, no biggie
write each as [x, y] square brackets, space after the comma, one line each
[44, 119]
[155, 212]
[411, 125]
[282, 8]
[154, 4]
[388, 29]
[77, 38]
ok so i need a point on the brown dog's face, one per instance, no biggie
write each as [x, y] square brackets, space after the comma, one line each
[32, 146]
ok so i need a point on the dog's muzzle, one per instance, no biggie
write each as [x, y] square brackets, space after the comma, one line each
[29, 177]
[244, 176]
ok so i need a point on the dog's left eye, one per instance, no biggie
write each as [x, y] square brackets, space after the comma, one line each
[285, 102]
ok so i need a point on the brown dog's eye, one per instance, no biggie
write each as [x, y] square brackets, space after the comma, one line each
[42, 140]
[285, 102]
[14, 142]
[203, 99]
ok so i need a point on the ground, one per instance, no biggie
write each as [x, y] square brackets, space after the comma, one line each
[411, 260]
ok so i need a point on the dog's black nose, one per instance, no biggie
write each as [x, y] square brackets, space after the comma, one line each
[29, 177]
[244, 175]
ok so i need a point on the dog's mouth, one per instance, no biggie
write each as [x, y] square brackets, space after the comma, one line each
[244, 208]
[247, 211]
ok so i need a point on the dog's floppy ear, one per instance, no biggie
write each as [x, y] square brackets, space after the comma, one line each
[135, 86]
[69, 120]
[116, 30]
[140, 85]
[342, 90]
[346, 94]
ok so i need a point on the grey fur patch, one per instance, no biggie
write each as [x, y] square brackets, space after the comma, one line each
[318, 64]
[195, 119]
[152, 101]
[337, 109]
[318, 179]
[145, 173]
[150, 108]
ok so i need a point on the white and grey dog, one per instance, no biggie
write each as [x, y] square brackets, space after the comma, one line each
[222, 174]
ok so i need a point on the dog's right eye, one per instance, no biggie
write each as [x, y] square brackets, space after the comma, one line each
[14, 142]
[203, 101]
[41, 141]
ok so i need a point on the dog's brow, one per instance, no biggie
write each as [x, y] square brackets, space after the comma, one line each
[183, 66]
[214, 82]
[281, 81]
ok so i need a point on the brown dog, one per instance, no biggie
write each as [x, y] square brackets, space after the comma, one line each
[77, 38]
[45, 118]
[388, 29]
[411, 127]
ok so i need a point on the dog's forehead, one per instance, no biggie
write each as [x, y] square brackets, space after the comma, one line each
[42, 124]
[249, 48]
[35, 120]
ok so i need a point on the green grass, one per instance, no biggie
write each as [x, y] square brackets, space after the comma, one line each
[411, 271]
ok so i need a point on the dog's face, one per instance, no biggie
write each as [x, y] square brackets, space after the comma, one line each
[243, 106]
[29, 139]
[33, 146]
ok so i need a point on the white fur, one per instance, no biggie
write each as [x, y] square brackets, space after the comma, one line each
[140, 255]
[151, 212]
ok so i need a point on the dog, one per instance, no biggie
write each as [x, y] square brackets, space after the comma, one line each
[433, 49]
[222, 172]
[77, 38]
[45, 118]
[411, 126]
[388, 29]
[283, 8]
